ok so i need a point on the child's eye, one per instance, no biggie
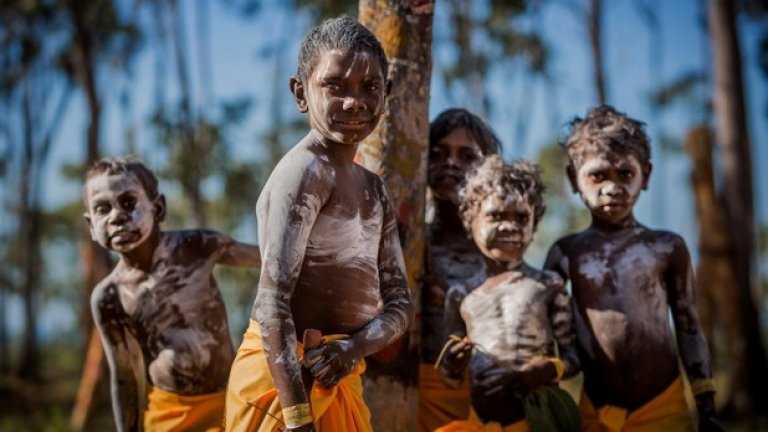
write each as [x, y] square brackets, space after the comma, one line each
[469, 156]
[372, 88]
[523, 218]
[597, 177]
[332, 87]
[101, 209]
[626, 175]
[128, 203]
[494, 216]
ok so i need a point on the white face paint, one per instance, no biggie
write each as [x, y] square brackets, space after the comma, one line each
[503, 227]
[610, 184]
[121, 216]
[345, 95]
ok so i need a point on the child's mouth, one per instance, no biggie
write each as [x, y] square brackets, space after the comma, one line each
[123, 237]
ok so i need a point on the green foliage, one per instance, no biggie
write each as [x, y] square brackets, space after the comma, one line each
[564, 214]
[486, 42]
[550, 409]
[681, 88]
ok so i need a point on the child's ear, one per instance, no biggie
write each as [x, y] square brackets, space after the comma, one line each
[297, 88]
[159, 208]
[88, 220]
[647, 174]
[570, 172]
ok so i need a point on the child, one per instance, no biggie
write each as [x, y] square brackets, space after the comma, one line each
[458, 140]
[160, 312]
[510, 317]
[332, 257]
[625, 280]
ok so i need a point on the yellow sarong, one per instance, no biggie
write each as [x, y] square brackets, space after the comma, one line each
[171, 412]
[252, 403]
[438, 404]
[666, 412]
[474, 424]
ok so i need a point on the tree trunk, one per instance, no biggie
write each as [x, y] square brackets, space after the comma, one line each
[96, 262]
[595, 29]
[28, 244]
[190, 180]
[719, 315]
[749, 394]
[397, 150]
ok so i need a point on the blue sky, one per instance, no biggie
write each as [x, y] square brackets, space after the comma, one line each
[238, 70]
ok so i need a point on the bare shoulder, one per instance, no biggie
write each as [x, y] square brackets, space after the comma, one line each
[548, 278]
[105, 296]
[667, 243]
[373, 180]
[202, 241]
[564, 245]
[300, 171]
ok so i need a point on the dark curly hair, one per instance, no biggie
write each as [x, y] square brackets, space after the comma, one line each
[120, 165]
[454, 118]
[520, 178]
[604, 128]
[342, 33]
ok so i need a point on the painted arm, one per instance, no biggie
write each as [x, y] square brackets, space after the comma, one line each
[561, 316]
[691, 342]
[452, 365]
[287, 210]
[557, 261]
[235, 253]
[332, 362]
[114, 337]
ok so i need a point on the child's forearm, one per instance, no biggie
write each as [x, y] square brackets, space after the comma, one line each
[125, 400]
[280, 347]
[390, 325]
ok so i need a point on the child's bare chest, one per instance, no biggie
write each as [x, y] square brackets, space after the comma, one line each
[623, 268]
[506, 305]
[174, 286]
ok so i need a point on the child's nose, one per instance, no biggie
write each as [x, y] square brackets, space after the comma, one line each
[612, 189]
[353, 103]
[118, 216]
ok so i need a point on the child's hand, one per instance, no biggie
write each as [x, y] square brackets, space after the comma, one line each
[494, 381]
[309, 427]
[705, 404]
[455, 357]
[331, 362]
[538, 371]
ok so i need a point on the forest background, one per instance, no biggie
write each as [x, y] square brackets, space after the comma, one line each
[198, 89]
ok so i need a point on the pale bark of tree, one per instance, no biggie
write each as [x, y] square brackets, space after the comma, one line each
[749, 393]
[397, 150]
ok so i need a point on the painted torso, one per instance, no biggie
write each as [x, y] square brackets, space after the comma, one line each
[176, 313]
[337, 285]
[451, 263]
[508, 316]
[622, 319]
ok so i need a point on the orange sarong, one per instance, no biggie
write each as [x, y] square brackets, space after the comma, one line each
[171, 412]
[666, 412]
[438, 404]
[474, 424]
[252, 403]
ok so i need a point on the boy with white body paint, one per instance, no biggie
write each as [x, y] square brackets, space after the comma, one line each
[510, 316]
[332, 257]
[625, 280]
[160, 306]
